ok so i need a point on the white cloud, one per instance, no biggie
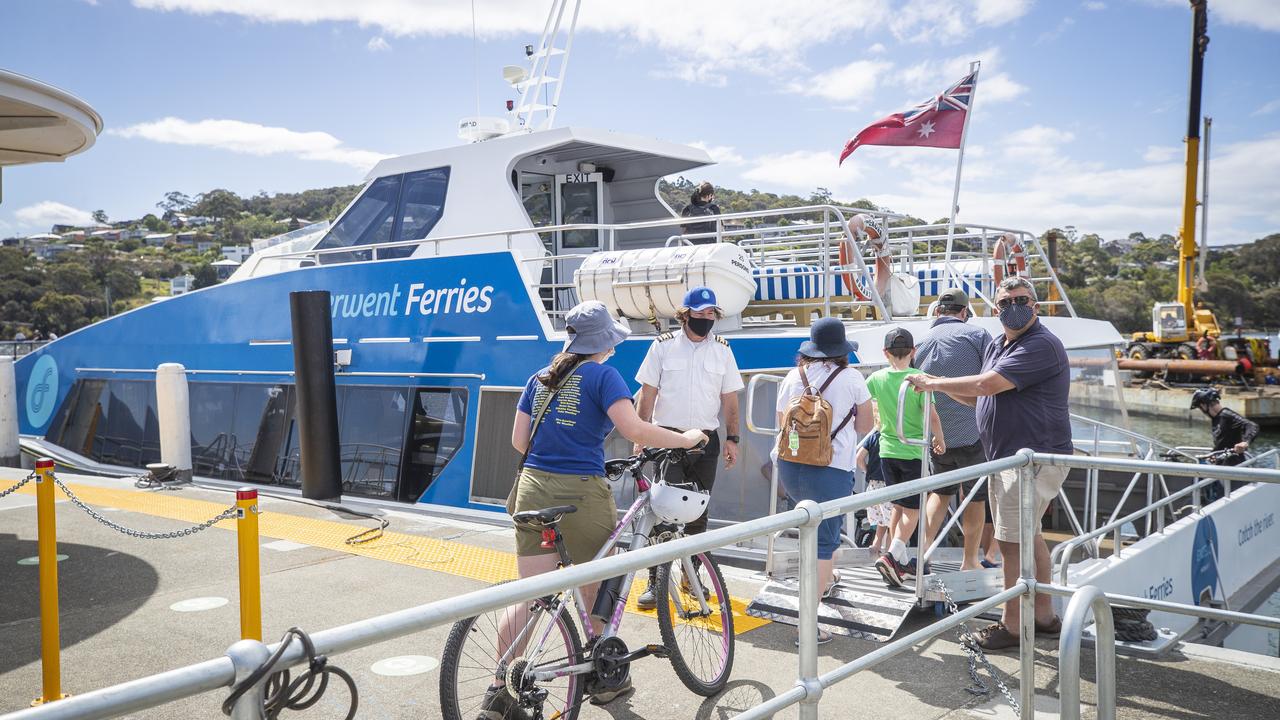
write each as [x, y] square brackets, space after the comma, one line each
[999, 12]
[1260, 14]
[876, 49]
[722, 154]
[1063, 25]
[48, 213]
[848, 83]
[378, 44]
[802, 170]
[1268, 108]
[1095, 5]
[1161, 153]
[933, 76]
[251, 139]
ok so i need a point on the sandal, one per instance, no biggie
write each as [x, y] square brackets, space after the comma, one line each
[824, 637]
[1053, 628]
[996, 637]
[831, 589]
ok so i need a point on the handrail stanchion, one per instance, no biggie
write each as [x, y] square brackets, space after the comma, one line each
[1086, 598]
[250, 567]
[926, 445]
[1027, 601]
[807, 623]
[247, 656]
[773, 475]
[47, 541]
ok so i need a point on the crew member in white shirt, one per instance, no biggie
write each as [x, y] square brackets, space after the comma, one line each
[688, 378]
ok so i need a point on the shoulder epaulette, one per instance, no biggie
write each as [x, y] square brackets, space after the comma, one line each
[665, 336]
[721, 340]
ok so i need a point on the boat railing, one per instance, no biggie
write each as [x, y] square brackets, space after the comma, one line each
[797, 246]
[243, 659]
[20, 348]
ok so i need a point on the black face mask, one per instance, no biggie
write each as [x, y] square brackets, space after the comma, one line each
[700, 326]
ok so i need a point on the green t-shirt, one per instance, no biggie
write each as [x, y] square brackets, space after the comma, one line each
[884, 385]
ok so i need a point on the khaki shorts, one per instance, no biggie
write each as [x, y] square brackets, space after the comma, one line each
[584, 531]
[1004, 498]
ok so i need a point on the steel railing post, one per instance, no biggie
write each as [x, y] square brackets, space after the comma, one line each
[247, 656]
[47, 543]
[1027, 601]
[1085, 599]
[808, 615]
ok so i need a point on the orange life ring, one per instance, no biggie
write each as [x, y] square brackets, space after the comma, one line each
[1009, 257]
[849, 250]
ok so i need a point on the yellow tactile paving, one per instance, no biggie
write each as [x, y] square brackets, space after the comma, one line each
[454, 558]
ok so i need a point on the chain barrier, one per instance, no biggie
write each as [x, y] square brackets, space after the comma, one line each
[230, 512]
[15, 486]
[974, 651]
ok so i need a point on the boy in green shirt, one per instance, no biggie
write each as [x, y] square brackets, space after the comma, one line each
[900, 462]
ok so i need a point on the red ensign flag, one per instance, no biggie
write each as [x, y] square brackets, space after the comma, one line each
[937, 122]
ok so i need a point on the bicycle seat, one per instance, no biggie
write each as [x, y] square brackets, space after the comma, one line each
[545, 516]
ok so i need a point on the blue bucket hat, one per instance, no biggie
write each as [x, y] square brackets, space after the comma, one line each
[700, 298]
[592, 329]
[827, 340]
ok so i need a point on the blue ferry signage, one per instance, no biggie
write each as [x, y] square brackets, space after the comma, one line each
[42, 391]
[416, 299]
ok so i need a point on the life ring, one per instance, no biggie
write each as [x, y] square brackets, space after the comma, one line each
[1008, 256]
[873, 229]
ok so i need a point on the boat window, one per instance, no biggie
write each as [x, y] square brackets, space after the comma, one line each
[373, 430]
[421, 204]
[72, 427]
[211, 444]
[370, 220]
[127, 431]
[259, 428]
[435, 434]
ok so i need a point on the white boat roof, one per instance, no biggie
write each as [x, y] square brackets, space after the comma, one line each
[639, 155]
[40, 123]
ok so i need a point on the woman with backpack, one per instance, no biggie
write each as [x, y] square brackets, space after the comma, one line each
[823, 409]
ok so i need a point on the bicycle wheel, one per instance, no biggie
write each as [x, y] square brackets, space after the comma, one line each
[471, 655]
[701, 644]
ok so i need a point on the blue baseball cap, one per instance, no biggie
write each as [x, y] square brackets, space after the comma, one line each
[700, 298]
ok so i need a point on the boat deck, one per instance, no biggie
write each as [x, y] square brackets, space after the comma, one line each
[119, 622]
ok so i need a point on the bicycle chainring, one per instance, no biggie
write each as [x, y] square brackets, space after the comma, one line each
[609, 674]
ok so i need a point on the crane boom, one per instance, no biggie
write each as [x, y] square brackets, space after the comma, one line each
[1188, 253]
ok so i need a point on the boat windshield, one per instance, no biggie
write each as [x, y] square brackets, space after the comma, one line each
[393, 208]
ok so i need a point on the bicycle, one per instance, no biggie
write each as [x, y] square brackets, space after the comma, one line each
[545, 665]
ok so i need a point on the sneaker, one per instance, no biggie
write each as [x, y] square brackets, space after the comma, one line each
[498, 704]
[910, 568]
[648, 600]
[608, 696]
[687, 589]
[890, 570]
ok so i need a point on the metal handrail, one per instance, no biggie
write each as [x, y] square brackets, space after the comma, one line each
[1085, 599]
[246, 655]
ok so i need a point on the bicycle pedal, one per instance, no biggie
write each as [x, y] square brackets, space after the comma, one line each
[658, 651]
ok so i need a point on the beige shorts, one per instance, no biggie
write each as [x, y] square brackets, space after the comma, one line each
[584, 531]
[1004, 498]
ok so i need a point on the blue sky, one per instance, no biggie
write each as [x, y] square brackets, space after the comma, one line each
[1079, 113]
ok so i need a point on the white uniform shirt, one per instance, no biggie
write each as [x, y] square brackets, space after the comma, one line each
[690, 377]
[846, 392]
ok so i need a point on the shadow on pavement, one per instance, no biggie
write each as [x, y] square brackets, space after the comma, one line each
[111, 583]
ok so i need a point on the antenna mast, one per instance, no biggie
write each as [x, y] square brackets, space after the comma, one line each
[547, 66]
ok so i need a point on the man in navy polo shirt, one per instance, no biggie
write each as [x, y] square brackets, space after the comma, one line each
[1021, 397]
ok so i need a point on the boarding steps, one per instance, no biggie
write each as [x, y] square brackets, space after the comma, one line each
[863, 606]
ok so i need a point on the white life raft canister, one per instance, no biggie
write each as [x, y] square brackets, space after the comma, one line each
[652, 282]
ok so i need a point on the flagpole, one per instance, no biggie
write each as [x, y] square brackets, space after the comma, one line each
[964, 134]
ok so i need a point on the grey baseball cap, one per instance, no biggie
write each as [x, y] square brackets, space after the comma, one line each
[592, 329]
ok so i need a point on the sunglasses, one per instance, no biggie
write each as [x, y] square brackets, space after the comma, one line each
[1020, 300]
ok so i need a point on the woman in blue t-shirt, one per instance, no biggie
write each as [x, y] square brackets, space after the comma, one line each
[565, 464]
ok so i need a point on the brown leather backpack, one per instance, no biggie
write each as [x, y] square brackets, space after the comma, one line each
[806, 433]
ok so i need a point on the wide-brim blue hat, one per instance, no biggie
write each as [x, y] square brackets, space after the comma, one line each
[827, 340]
[592, 329]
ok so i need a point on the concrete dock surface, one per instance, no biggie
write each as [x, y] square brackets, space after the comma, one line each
[118, 622]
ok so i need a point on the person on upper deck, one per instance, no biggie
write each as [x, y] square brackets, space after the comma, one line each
[702, 203]
[1021, 398]
[955, 348]
[688, 378]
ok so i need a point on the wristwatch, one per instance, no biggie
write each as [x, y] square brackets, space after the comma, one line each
[732, 438]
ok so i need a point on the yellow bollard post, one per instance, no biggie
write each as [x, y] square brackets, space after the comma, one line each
[250, 568]
[47, 541]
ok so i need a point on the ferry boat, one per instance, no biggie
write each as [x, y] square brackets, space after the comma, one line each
[449, 276]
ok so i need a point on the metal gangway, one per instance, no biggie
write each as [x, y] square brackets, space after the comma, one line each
[239, 665]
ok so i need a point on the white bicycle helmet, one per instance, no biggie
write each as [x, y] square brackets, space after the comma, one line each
[677, 504]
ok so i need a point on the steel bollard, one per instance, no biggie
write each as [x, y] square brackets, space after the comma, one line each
[250, 567]
[1028, 526]
[807, 620]
[47, 540]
